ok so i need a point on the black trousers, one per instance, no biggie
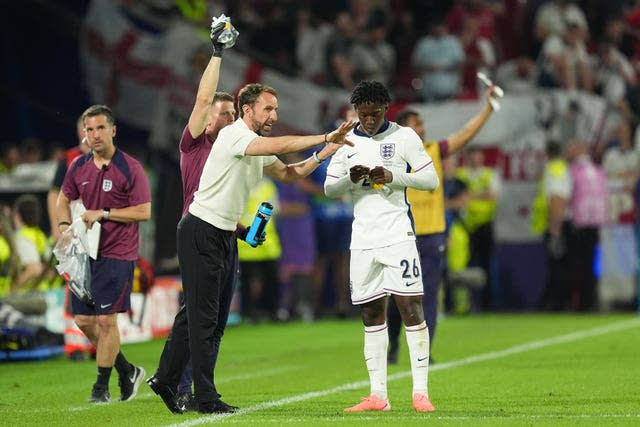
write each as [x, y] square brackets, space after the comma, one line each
[205, 255]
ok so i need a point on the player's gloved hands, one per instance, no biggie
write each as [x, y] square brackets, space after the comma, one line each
[216, 29]
[358, 172]
[223, 34]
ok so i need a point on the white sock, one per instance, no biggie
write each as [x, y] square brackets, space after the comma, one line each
[418, 343]
[376, 341]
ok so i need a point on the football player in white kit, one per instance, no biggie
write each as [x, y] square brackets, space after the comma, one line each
[386, 159]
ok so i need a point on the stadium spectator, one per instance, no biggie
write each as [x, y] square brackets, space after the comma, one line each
[259, 288]
[230, 172]
[428, 211]
[384, 256]
[518, 75]
[480, 55]
[311, 42]
[31, 245]
[339, 65]
[115, 191]
[549, 219]
[484, 185]
[372, 56]
[564, 60]
[297, 237]
[589, 211]
[554, 16]
[621, 164]
[437, 58]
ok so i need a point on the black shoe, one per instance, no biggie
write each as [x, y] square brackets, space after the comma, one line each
[216, 407]
[188, 401]
[167, 395]
[100, 394]
[129, 384]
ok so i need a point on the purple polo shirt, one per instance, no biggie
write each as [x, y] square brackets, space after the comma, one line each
[121, 184]
[193, 156]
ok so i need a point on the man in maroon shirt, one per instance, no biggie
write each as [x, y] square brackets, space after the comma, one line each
[114, 189]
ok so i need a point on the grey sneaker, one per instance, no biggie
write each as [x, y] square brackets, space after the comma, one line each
[130, 383]
[100, 394]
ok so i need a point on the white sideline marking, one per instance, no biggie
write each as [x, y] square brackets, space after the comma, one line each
[533, 345]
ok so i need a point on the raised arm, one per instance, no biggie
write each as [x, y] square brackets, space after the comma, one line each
[208, 83]
[458, 140]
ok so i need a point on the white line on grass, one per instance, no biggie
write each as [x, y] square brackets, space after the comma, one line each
[533, 345]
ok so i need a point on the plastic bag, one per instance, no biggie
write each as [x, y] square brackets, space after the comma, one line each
[73, 261]
[229, 35]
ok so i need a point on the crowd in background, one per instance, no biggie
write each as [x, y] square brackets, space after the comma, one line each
[424, 51]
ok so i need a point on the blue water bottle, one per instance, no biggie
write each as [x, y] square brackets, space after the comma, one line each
[260, 221]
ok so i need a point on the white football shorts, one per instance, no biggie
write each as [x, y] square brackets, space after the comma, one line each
[378, 272]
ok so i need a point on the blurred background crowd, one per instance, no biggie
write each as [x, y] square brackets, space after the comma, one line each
[58, 57]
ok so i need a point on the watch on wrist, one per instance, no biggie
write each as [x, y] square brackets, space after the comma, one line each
[105, 213]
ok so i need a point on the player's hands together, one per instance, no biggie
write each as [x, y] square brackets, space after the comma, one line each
[337, 136]
[358, 173]
[380, 175]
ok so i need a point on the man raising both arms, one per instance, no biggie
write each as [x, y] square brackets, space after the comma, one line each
[384, 257]
[206, 235]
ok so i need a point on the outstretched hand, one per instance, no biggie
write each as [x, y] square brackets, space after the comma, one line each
[337, 136]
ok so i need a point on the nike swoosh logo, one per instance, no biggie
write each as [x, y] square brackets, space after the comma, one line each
[84, 182]
[411, 284]
[422, 359]
[104, 305]
[351, 155]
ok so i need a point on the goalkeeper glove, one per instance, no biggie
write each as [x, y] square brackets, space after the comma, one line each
[223, 34]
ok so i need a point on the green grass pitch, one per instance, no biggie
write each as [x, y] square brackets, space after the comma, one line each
[491, 370]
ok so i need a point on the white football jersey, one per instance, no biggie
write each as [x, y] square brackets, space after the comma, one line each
[380, 219]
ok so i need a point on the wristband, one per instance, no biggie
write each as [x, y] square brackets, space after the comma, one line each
[105, 213]
[325, 139]
[67, 223]
[315, 157]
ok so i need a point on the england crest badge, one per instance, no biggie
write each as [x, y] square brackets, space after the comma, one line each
[107, 185]
[387, 151]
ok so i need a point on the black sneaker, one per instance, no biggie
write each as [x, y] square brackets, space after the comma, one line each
[216, 407]
[129, 384]
[187, 400]
[100, 394]
[167, 395]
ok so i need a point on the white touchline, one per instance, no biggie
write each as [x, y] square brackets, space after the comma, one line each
[533, 345]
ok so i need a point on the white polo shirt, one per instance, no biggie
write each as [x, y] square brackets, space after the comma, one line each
[228, 177]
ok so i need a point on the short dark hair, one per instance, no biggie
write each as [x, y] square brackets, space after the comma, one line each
[402, 118]
[370, 92]
[554, 148]
[250, 93]
[222, 96]
[98, 109]
[29, 208]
